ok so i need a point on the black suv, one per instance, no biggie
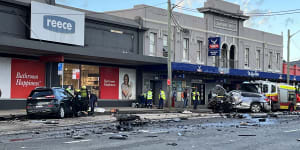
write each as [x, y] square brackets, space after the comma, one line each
[49, 101]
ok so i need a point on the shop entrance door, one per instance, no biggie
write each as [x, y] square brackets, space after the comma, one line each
[155, 86]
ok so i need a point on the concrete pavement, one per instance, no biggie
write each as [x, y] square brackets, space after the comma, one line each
[19, 113]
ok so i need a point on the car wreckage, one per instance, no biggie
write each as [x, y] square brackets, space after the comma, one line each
[224, 102]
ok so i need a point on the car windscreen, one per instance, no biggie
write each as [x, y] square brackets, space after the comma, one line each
[250, 88]
[40, 93]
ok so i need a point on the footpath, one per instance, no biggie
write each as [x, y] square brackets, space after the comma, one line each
[21, 113]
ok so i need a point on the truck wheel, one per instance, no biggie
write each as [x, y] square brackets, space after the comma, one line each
[255, 108]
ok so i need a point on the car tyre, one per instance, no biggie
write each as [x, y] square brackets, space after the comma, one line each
[255, 108]
[61, 112]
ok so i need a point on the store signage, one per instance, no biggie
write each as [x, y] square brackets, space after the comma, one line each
[253, 73]
[199, 69]
[76, 74]
[63, 25]
[214, 46]
[223, 70]
[25, 76]
[59, 24]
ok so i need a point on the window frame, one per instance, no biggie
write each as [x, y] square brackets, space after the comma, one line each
[246, 57]
[185, 49]
[152, 43]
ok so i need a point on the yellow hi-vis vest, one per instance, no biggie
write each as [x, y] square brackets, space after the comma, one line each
[194, 95]
[145, 95]
[162, 95]
[149, 95]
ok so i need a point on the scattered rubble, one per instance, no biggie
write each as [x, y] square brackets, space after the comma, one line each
[172, 144]
[119, 137]
[247, 135]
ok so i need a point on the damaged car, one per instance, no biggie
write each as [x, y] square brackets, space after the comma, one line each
[254, 102]
[222, 101]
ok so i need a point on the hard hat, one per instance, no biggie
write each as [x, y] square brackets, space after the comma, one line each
[83, 87]
[77, 90]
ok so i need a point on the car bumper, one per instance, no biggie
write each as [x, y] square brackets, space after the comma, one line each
[42, 110]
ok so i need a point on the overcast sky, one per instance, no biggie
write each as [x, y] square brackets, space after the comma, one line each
[273, 24]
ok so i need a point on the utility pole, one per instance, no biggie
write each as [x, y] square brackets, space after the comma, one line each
[169, 89]
[288, 58]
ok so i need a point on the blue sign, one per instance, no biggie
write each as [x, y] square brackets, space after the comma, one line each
[60, 68]
[214, 46]
[59, 24]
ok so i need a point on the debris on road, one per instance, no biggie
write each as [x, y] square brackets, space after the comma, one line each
[262, 120]
[298, 139]
[244, 124]
[259, 115]
[51, 122]
[187, 112]
[247, 135]
[172, 144]
[119, 137]
[77, 137]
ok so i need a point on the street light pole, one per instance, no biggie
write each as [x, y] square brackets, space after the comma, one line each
[288, 58]
[169, 89]
[288, 54]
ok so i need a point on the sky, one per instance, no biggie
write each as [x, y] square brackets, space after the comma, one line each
[274, 24]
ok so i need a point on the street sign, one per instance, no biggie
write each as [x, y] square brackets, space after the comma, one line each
[169, 82]
[60, 68]
[214, 46]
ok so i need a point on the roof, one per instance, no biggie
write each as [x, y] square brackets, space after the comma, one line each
[223, 13]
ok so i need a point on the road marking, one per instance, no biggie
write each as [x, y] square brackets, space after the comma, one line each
[292, 131]
[78, 141]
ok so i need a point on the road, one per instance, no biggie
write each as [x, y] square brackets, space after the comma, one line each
[196, 132]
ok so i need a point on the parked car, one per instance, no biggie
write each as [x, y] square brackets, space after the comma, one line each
[49, 101]
[250, 101]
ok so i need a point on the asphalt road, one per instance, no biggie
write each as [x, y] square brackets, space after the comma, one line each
[195, 133]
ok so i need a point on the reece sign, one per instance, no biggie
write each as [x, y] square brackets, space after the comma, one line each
[214, 46]
[57, 24]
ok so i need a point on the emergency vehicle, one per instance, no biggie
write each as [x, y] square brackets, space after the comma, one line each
[280, 95]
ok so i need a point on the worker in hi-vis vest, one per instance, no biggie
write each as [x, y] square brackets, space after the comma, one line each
[149, 98]
[195, 97]
[162, 98]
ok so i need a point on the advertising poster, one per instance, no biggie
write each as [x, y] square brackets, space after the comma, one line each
[5, 67]
[127, 84]
[25, 76]
[109, 80]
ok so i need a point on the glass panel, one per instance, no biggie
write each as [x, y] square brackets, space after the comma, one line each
[90, 78]
[68, 81]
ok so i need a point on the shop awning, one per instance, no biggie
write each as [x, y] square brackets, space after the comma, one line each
[232, 72]
[34, 48]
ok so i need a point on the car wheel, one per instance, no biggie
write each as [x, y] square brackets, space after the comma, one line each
[61, 112]
[255, 108]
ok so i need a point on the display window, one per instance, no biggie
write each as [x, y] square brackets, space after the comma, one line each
[75, 76]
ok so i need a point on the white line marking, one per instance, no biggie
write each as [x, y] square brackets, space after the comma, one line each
[77, 141]
[292, 131]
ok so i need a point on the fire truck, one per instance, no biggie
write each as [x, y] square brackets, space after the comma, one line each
[280, 95]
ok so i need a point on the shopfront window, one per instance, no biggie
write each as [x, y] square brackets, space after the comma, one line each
[90, 78]
[81, 75]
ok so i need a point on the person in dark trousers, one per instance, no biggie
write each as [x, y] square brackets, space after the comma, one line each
[149, 98]
[93, 101]
[185, 99]
[76, 103]
[195, 96]
[162, 98]
[84, 99]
